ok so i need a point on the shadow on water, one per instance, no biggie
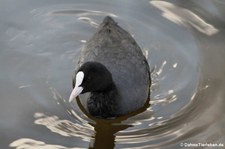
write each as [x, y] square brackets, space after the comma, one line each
[105, 134]
[105, 129]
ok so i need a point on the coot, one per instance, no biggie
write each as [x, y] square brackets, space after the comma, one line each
[114, 70]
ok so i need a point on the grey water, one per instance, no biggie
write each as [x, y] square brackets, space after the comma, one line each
[40, 42]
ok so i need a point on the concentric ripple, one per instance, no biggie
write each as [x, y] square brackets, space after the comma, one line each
[186, 93]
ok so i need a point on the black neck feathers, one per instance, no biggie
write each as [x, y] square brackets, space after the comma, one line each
[104, 104]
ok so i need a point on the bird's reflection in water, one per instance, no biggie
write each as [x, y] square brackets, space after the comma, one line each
[106, 129]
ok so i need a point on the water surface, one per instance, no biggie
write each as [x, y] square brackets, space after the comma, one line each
[40, 42]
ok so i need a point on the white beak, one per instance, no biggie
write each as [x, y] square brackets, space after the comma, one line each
[77, 89]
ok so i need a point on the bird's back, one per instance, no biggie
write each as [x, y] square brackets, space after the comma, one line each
[117, 50]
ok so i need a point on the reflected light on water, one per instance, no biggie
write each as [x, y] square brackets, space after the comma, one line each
[83, 41]
[182, 16]
[175, 65]
[26, 143]
[164, 100]
[89, 21]
[24, 86]
[161, 68]
[64, 127]
[81, 13]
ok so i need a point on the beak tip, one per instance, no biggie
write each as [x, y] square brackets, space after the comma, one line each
[70, 100]
[72, 97]
[76, 91]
